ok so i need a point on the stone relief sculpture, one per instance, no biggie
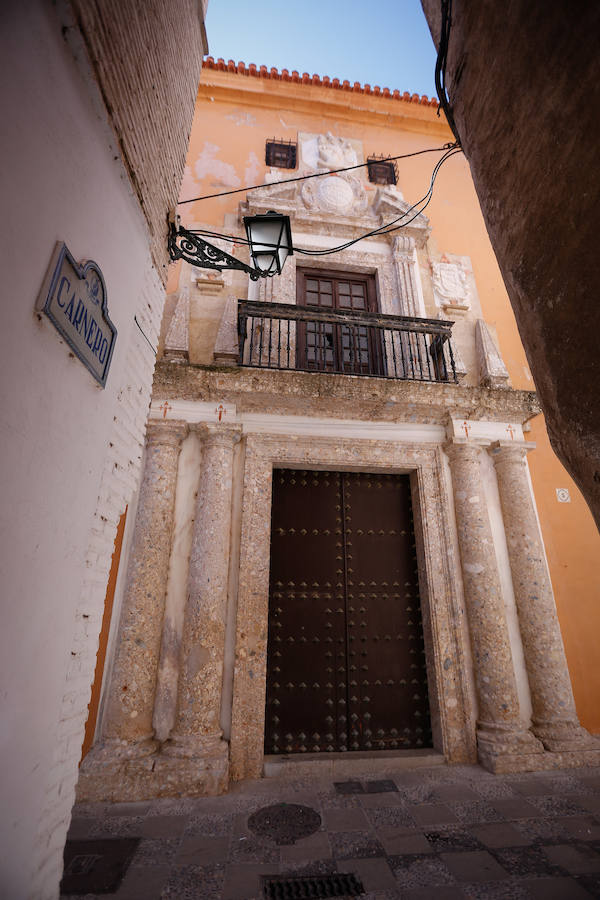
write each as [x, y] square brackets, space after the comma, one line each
[341, 194]
[450, 286]
[335, 152]
[326, 151]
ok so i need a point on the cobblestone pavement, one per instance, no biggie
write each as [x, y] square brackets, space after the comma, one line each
[445, 833]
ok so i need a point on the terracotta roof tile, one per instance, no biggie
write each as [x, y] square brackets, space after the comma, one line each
[254, 71]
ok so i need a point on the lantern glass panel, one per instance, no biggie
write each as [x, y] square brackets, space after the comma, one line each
[270, 241]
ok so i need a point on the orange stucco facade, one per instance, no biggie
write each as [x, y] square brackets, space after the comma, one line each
[237, 112]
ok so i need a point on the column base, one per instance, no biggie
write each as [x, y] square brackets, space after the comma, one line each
[498, 746]
[127, 776]
[565, 737]
[539, 762]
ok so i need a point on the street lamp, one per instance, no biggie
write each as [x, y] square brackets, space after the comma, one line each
[269, 238]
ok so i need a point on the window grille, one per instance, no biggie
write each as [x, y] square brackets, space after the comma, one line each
[382, 170]
[281, 154]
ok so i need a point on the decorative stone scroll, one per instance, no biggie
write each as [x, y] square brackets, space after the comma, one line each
[492, 371]
[177, 341]
[226, 350]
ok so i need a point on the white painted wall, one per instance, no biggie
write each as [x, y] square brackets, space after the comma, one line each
[70, 450]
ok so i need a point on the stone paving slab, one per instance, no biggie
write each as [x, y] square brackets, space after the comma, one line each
[445, 833]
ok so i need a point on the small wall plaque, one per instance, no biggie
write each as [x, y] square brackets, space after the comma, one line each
[563, 495]
[73, 297]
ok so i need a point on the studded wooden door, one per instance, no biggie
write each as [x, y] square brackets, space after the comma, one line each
[346, 664]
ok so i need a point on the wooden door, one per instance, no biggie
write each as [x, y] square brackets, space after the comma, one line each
[346, 664]
[324, 347]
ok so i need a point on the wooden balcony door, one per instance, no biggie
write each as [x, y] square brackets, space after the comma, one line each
[332, 347]
[346, 662]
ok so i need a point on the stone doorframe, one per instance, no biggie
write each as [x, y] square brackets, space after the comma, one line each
[446, 640]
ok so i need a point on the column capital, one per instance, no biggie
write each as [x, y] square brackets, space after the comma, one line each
[165, 431]
[514, 452]
[217, 435]
[403, 247]
[462, 449]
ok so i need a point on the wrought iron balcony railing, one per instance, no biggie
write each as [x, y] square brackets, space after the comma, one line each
[346, 342]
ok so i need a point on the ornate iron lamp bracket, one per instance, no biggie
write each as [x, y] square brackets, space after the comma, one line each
[187, 245]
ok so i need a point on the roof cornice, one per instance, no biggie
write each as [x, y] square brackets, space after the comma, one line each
[273, 74]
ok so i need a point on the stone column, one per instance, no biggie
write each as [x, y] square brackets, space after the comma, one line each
[131, 696]
[554, 719]
[197, 733]
[503, 739]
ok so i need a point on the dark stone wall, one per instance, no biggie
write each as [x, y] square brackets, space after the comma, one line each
[523, 79]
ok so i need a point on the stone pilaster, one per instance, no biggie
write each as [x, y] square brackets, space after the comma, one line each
[554, 718]
[406, 276]
[197, 735]
[504, 742]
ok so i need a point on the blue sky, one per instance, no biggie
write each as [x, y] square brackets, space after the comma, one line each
[385, 42]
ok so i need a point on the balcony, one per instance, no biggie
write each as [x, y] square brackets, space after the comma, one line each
[312, 339]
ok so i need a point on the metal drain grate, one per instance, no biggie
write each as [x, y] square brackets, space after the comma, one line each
[296, 887]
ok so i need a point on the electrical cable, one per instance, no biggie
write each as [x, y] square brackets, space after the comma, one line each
[154, 350]
[440, 68]
[255, 187]
[386, 228]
